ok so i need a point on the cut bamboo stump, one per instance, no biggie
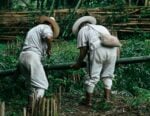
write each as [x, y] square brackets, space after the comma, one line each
[43, 107]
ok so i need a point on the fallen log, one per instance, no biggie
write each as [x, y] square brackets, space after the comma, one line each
[129, 60]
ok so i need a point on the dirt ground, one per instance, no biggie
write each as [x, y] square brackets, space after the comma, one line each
[71, 107]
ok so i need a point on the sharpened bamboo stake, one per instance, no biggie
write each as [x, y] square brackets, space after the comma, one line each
[47, 111]
[78, 77]
[43, 107]
[51, 107]
[55, 107]
[2, 113]
[33, 104]
[40, 106]
[60, 88]
[74, 78]
[3, 108]
[24, 112]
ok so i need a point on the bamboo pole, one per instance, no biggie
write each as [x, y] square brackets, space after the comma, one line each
[33, 104]
[54, 108]
[47, 107]
[146, 3]
[60, 93]
[43, 107]
[133, 60]
[129, 60]
[51, 8]
[130, 3]
[2, 109]
[51, 109]
[24, 112]
[40, 106]
[70, 16]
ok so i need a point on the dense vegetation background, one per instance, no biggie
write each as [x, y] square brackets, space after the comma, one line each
[57, 4]
[131, 87]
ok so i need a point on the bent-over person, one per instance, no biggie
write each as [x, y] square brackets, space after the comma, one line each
[37, 45]
[100, 60]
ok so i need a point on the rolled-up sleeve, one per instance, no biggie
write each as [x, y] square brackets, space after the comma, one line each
[47, 31]
[82, 39]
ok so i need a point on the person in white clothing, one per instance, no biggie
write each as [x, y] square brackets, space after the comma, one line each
[100, 60]
[36, 46]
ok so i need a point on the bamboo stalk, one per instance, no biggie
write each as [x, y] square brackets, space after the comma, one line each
[40, 106]
[47, 111]
[33, 104]
[24, 112]
[24, 1]
[56, 109]
[43, 107]
[2, 113]
[60, 97]
[51, 8]
[70, 17]
[0, 108]
[129, 60]
[130, 3]
[146, 2]
[51, 107]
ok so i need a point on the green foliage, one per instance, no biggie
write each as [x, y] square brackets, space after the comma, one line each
[21, 5]
[142, 96]
[104, 106]
[10, 53]
[63, 52]
[132, 77]
[136, 74]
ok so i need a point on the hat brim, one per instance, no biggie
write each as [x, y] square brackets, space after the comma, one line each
[55, 26]
[79, 21]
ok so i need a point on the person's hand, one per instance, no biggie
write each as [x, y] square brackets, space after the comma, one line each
[76, 66]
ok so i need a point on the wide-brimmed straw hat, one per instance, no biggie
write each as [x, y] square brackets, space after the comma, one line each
[54, 24]
[75, 27]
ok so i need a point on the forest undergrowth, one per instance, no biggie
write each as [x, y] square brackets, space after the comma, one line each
[130, 92]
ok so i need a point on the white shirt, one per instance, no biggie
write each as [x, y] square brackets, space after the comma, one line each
[99, 54]
[90, 34]
[35, 39]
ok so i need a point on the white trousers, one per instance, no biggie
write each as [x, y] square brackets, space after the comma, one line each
[32, 68]
[102, 66]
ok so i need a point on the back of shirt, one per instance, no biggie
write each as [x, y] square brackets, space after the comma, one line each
[90, 34]
[36, 39]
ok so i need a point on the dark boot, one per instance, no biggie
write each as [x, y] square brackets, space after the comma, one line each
[88, 99]
[107, 93]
